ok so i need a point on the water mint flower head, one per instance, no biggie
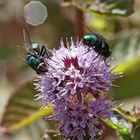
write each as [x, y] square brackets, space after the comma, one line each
[76, 84]
[73, 71]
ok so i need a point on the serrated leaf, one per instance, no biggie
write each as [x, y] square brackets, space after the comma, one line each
[106, 7]
[22, 110]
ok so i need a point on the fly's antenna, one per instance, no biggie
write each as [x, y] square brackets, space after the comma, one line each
[26, 37]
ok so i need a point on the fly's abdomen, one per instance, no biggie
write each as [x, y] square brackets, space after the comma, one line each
[33, 61]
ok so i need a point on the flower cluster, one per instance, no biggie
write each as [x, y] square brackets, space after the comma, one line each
[77, 85]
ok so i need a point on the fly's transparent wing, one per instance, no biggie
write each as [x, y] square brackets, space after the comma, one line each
[27, 42]
[91, 30]
[22, 52]
[88, 28]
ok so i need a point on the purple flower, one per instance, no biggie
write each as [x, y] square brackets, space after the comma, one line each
[77, 83]
[79, 121]
[72, 70]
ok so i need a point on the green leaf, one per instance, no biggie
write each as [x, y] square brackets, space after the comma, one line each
[106, 7]
[21, 110]
[32, 118]
[125, 115]
[125, 137]
[126, 53]
[122, 123]
[118, 123]
[126, 50]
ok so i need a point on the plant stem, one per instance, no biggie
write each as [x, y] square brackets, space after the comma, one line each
[79, 24]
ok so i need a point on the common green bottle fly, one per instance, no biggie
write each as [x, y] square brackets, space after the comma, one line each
[33, 54]
[98, 44]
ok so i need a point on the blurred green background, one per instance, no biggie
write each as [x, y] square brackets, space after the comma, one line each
[122, 33]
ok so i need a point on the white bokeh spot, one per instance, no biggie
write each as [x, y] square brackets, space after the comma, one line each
[35, 13]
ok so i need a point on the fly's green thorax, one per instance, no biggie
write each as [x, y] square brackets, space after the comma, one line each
[90, 39]
[34, 48]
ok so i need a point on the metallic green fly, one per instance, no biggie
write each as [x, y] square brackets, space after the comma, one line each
[33, 54]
